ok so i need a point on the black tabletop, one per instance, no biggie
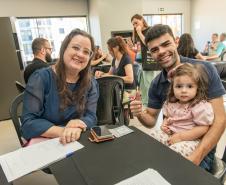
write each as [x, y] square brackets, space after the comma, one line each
[110, 162]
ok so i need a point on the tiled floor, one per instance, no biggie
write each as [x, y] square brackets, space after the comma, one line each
[9, 142]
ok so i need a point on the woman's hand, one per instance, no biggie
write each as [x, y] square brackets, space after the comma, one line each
[76, 123]
[138, 29]
[70, 134]
[98, 74]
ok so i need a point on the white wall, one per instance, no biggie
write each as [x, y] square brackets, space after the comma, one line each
[208, 17]
[170, 7]
[23, 8]
[111, 15]
[115, 15]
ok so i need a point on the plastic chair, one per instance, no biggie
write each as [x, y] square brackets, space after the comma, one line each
[109, 105]
[20, 87]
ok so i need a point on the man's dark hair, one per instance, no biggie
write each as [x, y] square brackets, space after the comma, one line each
[156, 31]
[38, 44]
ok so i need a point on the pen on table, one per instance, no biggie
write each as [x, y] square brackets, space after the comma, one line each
[69, 154]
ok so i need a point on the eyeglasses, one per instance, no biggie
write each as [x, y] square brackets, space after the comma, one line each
[50, 49]
[85, 51]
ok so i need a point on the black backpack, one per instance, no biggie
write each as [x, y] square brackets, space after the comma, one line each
[109, 105]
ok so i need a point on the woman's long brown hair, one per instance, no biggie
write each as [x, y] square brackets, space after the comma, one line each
[68, 97]
[118, 41]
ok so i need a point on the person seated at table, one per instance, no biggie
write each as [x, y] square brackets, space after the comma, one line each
[161, 44]
[121, 63]
[211, 47]
[186, 47]
[187, 112]
[42, 50]
[60, 101]
[99, 57]
[221, 47]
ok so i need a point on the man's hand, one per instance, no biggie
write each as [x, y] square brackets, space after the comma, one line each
[193, 159]
[136, 105]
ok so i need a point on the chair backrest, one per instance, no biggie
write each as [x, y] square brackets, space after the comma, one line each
[109, 105]
[15, 112]
[221, 68]
[20, 87]
[219, 169]
[223, 55]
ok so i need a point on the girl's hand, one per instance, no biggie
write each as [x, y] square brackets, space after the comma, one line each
[70, 135]
[166, 129]
[175, 138]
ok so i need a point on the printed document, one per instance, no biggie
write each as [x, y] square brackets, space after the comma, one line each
[31, 158]
[121, 131]
[147, 177]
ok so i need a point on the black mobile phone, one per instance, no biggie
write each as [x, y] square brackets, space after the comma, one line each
[101, 131]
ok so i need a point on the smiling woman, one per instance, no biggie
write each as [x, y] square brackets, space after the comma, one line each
[60, 101]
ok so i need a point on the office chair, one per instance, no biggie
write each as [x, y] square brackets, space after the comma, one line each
[219, 169]
[15, 113]
[222, 56]
[109, 105]
[20, 87]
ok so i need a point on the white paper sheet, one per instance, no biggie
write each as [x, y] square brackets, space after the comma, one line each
[25, 160]
[147, 177]
[121, 131]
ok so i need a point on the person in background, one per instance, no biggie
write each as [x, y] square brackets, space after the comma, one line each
[187, 112]
[223, 38]
[60, 101]
[130, 51]
[221, 47]
[121, 63]
[99, 57]
[186, 47]
[177, 39]
[42, 56]
[140, 29]
[161, 43]
[211, 47]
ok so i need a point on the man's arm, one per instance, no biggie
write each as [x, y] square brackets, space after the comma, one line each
[147, 117]
[213, 135]
[188, 135]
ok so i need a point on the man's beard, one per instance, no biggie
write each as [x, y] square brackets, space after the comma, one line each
[48, 58]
